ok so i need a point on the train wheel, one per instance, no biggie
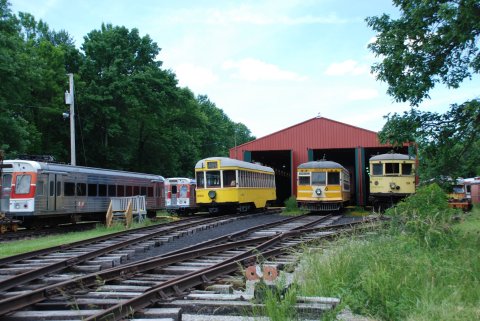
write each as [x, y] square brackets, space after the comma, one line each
[244, 208]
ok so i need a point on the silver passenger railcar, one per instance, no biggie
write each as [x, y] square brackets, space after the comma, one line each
[50, 193]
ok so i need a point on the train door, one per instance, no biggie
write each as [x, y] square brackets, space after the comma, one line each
[5, 189]
[54, 192]
[173, 194]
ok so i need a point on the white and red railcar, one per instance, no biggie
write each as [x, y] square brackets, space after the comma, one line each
[42, 192]
[180, 195]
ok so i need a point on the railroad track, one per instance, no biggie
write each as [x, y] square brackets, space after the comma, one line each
[116, 293]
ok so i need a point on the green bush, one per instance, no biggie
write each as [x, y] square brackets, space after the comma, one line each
[425, 215]
[291, 204]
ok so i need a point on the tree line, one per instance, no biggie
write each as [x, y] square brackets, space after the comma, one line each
[130, 113]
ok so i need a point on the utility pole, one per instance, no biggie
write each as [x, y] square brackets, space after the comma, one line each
[69, 100]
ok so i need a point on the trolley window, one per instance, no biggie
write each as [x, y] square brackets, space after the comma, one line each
[200, 180]
[392, 168]
[112, 191]
[150, 191]
[40, 187]
[407, 169]
[102, 190]
[143, 190]
[59, 188]
[319, 178]
[92, 189]
[69, 188]
[377, 169]
[22, 185]
[52, 188]
[213, 179]
[458, 189]
[333, 178]
[120, 190]
[304, 180]
[229, 178]
[81, 189]
[6, 181]
[136, 190]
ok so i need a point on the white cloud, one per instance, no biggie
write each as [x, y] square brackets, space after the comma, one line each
[196, 78]
[348, 67]
[256, 70]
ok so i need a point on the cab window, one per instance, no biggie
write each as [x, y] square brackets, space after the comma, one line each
[377, 169]
[200, 180]
[333, 178]
[22, 185]
[319, 178]
[407, 169]
[392, 168]
[213, 178]
[6, 181]
[304, 180]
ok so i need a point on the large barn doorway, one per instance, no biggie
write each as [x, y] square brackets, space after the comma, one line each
[281, 162]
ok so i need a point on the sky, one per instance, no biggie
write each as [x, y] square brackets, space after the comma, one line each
[269, 64]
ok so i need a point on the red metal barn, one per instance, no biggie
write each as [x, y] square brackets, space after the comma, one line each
[315, 139]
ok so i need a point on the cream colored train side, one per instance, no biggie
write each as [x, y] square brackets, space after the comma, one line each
[392, 178]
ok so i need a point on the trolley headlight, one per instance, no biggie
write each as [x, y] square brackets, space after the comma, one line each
[17, 206]
[318, 191]
[212, 194]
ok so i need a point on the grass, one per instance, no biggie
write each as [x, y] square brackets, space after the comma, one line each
[424, 268]
[22, 246]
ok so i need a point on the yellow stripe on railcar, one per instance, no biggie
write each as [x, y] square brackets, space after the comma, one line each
[322, 186]
[225, 183]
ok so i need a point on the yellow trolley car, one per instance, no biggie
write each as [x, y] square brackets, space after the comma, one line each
[229, 184]
[392, 178]
[322, 186]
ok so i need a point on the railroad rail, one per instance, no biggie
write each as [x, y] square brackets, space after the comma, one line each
[116, 293]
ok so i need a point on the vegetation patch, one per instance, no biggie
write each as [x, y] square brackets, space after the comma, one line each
[22, 246]
[421, 268]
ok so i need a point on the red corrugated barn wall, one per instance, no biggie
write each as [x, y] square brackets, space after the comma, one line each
[315, 134]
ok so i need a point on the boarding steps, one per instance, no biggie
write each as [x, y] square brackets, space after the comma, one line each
[126, 209]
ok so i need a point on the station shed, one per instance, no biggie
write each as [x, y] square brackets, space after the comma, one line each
[311, 140]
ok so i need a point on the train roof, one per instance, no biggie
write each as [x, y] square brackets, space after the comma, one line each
[64, 168]
[321, 164]
[391, 156]
[171, 179]
[230, 162]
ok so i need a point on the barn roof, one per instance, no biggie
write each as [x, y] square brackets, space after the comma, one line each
[315, 133]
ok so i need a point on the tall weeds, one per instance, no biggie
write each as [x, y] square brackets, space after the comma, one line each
[423, 268]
